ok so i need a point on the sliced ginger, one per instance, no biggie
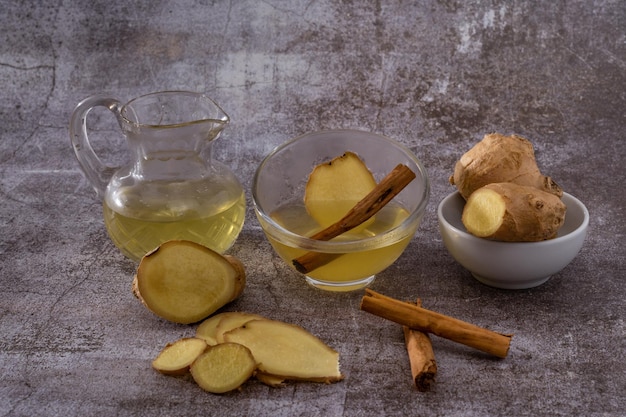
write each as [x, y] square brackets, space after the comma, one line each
[212, 329]
[499, 158]
[513, 213]
[207, 330]
[223, 367]
[334, 187]
[287, 351]
[177, 357]
[250, 345]
[270, 380]
[185, 282]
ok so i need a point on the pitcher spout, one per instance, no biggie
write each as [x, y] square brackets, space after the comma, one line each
[173, 109]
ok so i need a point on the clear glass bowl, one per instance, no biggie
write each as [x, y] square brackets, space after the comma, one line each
[352, 260]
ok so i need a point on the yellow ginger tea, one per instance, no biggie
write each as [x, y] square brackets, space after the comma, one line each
[349, 266]
[140, 229]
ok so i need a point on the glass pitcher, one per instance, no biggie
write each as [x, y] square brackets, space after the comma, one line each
[172, 189]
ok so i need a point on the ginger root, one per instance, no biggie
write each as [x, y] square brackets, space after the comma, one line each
[498, 158]
[513, 213]
[185, 282]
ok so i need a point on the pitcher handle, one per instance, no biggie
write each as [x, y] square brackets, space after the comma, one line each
[97, 172]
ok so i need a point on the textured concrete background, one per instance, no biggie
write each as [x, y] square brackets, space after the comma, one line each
[435, 75]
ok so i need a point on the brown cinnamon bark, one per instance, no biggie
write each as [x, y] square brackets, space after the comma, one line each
[384, 191]
[421, 357]
[419, 318]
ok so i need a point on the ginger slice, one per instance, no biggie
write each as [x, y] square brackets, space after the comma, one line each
[334, 187]
[185, 282]
[212, 329]
[287, 351]
[223, 367]
[207, 330]
[177, 357]
[513, 213]
[231, 321]
[270, 380]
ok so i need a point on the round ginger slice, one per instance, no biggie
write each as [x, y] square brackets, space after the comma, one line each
[223, 368]
[334, 187]
[185, 282]
[175, 358]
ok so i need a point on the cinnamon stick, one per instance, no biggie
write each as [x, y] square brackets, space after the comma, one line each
[384, 191]
[421, 357]
[424, 320]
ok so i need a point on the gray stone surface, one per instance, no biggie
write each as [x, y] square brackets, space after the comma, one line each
[435, 75]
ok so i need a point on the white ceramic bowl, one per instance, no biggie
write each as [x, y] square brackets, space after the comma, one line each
[512, 265]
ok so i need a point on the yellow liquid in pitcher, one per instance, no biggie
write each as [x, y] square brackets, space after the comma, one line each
[146, 229]
[346, 269]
